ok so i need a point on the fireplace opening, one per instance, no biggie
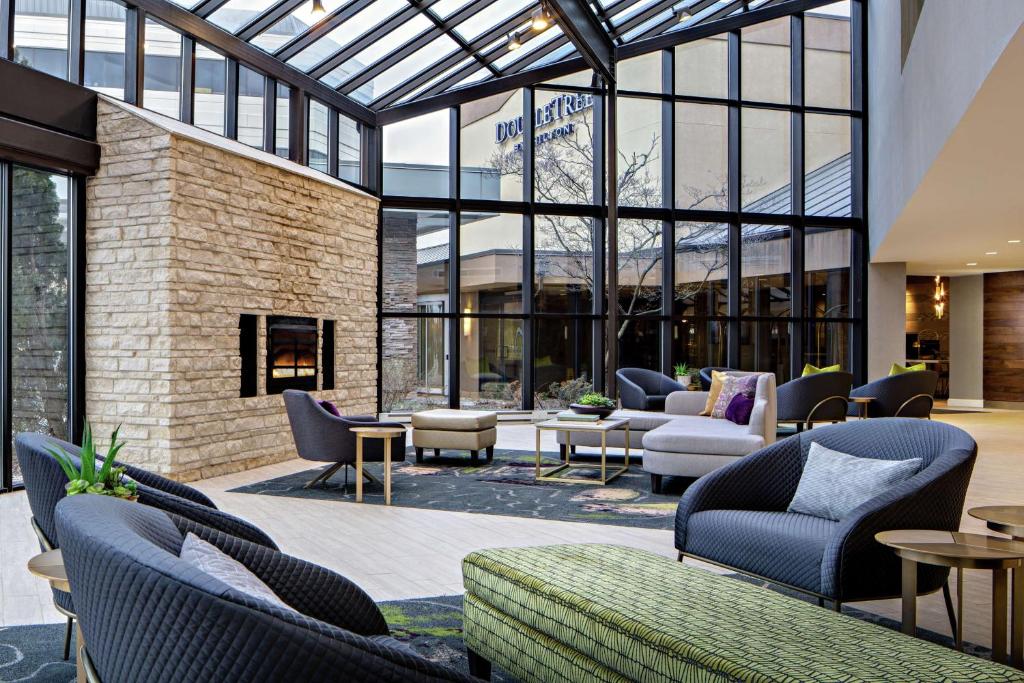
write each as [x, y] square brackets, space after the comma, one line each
[291, 354]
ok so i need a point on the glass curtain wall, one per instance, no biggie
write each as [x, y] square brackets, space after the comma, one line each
[738, 237]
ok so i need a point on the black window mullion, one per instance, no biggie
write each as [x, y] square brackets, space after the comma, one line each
[298, 115]
[269, 114]
[667, 201]
[6, 182]
[231, 99]
[529, 351]
[76, 42]
[734, 190]
[332, 142]
[454, 260]
[797, 193]
[76, 311]
[188, 79]
[7, 28]
[134, 55]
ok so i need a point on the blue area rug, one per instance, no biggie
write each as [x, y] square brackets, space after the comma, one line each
[506, 486]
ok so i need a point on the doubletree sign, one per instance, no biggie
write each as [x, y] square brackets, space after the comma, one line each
[549, 114]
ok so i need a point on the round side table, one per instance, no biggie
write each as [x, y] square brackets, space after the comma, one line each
[959, 551]
[1009, 520]
[49, 565]
[386, 433]
[862, 402]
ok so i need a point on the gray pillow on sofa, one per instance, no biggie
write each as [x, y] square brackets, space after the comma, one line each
[833, 484]
[209, 559]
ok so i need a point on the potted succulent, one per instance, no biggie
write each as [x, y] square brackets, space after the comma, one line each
[683, 374]
[105, 481]
[593, 403]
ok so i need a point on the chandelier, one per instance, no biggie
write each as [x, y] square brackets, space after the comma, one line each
[939, 298]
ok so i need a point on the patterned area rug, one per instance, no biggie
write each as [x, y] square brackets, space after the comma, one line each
[432, 626]
[505, 486]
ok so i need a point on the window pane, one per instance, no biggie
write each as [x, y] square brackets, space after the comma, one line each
[640, 148]
[641, 73]
[639, 262]
[41, 35]
[702, 269]
[349, 145]
[562, 369]
[827, 56]
[828, 165]
[416, 156]
[765, 137]
[702, 156]
[491, 363]
[211, 76]
[765, 269]
[764, 347]
[356, 26]
[640, 344]
[235, 14]
[282, 118]
[827, 272]
[491, 262]
[378, 49]
[564, 149]
[491, 166]
[702, 67]
[415, 265]
[39, 303]
[251, 86]
[827, 344]
[490, 16]
[318, 123]
[410, 66]
[162, 70]
[104, 47]
[765, 61]
[414, 372]
[700, 343]
[563, 264]
[299, 21]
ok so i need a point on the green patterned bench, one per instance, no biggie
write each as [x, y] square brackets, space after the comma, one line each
[608, 613]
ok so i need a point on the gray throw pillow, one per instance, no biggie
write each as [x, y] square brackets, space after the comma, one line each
[210, 560]
[833, 484]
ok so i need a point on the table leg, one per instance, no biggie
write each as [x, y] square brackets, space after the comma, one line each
[627, 445]
[960, 610]
[568, 446]
[604, 454]
[387, 470]
[999, 596]
[1017, 628]
[80, 676]
[536, 474]
[359, 468]
[909, 597]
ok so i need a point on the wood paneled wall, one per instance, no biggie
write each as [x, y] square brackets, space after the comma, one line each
[1004, 336]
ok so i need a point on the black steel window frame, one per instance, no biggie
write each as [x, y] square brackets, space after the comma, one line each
[734, 217]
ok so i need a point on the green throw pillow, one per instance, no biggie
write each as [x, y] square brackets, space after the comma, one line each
[812, 370]
[898, 369]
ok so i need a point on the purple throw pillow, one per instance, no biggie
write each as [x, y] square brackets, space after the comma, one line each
[739, 409]
[330, 408]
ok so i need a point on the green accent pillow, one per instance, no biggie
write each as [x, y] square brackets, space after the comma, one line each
[812, 370]
[898, 369]
[544, 362]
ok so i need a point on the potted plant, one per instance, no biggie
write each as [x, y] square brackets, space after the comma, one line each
[683, 374]
[105, 481]
[593, 403]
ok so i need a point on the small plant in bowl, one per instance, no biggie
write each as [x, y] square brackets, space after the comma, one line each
[593, 403]
[683, 374]
[105, 481]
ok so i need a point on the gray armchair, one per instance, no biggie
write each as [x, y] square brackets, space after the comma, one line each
[911, 394]
[322, 437]
[821, 397]
[705, 376]
[150, 617]
[641, 389]
[736, 516]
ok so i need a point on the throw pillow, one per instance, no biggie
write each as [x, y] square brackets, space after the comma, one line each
[898, 369]
[812, 370]
[330, 408]
[731, 386]
[740, 408]
[209, 559]
[833, 484]
[716, 389]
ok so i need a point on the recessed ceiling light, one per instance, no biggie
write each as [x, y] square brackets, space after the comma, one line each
[972, 263]
[1013, 241]
[540, 19]
[991, 253]
[513, 41]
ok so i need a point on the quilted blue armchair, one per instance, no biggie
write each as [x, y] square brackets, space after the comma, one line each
[641, 389]
[736, 516]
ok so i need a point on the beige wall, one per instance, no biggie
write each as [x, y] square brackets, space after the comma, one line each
[184, 232]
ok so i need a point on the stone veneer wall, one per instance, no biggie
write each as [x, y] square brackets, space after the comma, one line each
[184, 232]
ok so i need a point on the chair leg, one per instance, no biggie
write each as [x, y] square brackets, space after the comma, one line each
[478, 666]
[655, 483]
[325, 475]
[821, 602]
[474, 455]
[679, 556]
[572, 450]
[67, 639]
[419, 454]
[950, 612]
[437, 452]
[490, 453]
[837, 606]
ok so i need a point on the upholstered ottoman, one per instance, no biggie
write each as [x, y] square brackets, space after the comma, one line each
[461, 430]
[608, 613]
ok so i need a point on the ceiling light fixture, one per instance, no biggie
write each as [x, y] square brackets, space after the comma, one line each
[682, 14]
[972, 263]
[513, 41]
[991, 253]
[541, 19]
[1013, 241]
[318, 8]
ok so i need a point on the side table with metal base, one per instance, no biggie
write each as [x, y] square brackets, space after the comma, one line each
[386, 433]
[960, 551]
[862, 403]
[1009, 520]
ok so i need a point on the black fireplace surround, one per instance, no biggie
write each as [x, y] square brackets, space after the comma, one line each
[291, 353]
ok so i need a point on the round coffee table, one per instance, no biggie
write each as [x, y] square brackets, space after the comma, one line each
[386, 433]
[959, 551]
[49, 565]
[1009, 520]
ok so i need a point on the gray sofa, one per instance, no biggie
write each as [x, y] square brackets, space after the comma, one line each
[680, 442]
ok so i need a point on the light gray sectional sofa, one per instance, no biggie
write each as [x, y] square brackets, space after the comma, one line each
[680, 442]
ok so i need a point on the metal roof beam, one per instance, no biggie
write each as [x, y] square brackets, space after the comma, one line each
[582, 27]
[263, 22]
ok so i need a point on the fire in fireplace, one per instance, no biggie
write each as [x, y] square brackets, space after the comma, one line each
[291, 354]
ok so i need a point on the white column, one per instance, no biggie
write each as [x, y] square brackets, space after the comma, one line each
[887, 317]
[966, 340]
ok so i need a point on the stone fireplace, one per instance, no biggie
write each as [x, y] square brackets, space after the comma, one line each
[187, 233]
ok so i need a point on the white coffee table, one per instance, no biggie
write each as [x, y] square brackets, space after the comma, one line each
[568, 427]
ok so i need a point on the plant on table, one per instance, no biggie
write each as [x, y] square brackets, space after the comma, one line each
[683, 374]
[108, 480]
[596, 400]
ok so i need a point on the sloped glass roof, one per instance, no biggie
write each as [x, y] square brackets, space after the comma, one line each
[388, 52]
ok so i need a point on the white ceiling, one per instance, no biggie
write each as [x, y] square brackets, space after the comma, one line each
[971, 200]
